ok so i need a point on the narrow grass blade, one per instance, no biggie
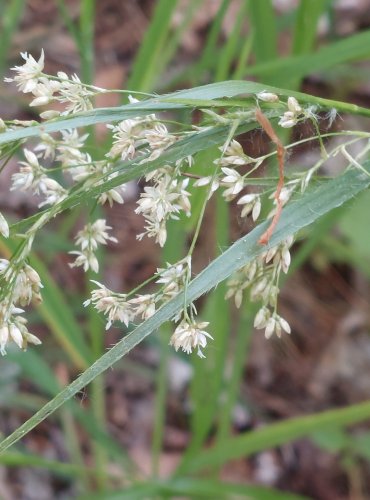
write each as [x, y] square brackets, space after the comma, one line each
[196, 488]
[37, 371]
[207, 58]
[353, 48]
[212, 95]
[277, 434]
[60, 468]
[305, 28]
[145, 69]
[10, 18]
[87, 28]
[263, 23]
[228, 53]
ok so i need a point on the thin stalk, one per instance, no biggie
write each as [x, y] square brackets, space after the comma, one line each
[227, 53]
[171, 253]
[72, 440]
[96, 334]
[87, 26]
[209, 50]
[9, 22]
[159, 419]
[242, 342]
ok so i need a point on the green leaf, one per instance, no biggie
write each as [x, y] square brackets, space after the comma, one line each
[147, 65]
[353, 48]
[353, 222]
[331, 438]
[203, 96]
[263, 23]
[16, 459]
[305, 28]
[275, 435]
[311, 206]
[196, 488]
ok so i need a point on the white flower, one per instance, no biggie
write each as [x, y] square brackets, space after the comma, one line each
[261, 318]
[189, 336]
[162, 202]
[127, 135]
[145, 305]
[159, 201]
[29, 74]
[69, 148]
[290, 118]
[9, 332]
[293, 106]
[158, 139]
[14, 329]
[75, 95]
[205, 181]
[46, 147]
[252, 203]
[267, 97]
[86, 259]
[234, 181]
[111, 196]
[232, 155]
[4, 227]
[175, 276]
[44, 91]
[113, 305]
[52, 190]
[280, 254]
[276, 324]
[30, 174]
[88, 239]
[154, 229]
[93, 234]
[49, 114]
[235, 288]
[26, 282]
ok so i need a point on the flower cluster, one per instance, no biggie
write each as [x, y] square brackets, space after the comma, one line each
[145, 139]
[190, 335]
[32, 176]
[22, 284]
[118, 307]
[234, 182]
[140, 136]
[261, 277]
[88, 239]
[291, 117]
[161, 202]
[63, 89]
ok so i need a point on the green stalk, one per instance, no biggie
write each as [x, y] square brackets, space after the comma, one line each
[10, 17]
[144, 72]
[172, 252]
[207, 59]
[87, 28]
[241, 347]
[96, 334]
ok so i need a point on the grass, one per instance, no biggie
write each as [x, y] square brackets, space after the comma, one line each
[252, 53]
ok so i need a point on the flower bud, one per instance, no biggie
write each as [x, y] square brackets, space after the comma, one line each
[267, 97]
